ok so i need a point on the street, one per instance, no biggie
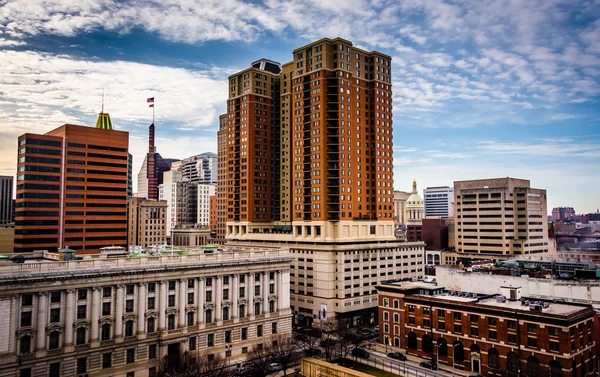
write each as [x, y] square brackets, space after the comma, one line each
[409, 368]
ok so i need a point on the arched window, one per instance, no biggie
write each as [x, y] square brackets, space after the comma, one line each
[493, 358]
[53, 340]
[106, 331]
[129, 328]
[427, 343]
[533, 366]
[442, 347]
[555, 369]
[512, 364]
[459, 351]
[80, 337]
[25, 344]
[412, 340]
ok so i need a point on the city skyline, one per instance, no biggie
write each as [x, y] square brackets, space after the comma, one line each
[480, 91]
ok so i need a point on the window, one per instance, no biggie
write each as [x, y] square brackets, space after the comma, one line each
[171, 322]
[82, 365]
[511, 338]
[54, 297]
[25, 344]
[531, 328]
[82, 294]
[190, 319]
[411, 320]
[244, 333]
[511, 325]
[259, 330]
[493, 358]
[26, 372]
[553, 331]
[492, 334]
[54, 340]
[130, 355]
[129, 289]
[492, 321]
[152, 351]
[554, 346]
[272, 306]
[106, 331]
[190, 298]
[129, 328]
[208, 296]
[106, 360]
[242, 293]
[171, 300]
[242, 311]
[412, 340]
[192, 343]
[130, 374]
[152, 372]
[457, 316]
[25, 319]
[171, 285]
[208, 316]
[54, 315]
[228, 336]
[150, 325]
[106, 308]
[151, 303]
[474, 331]
[106, 291]
[26, 300]
[81, 311]
[257, 308]
[80, 337]
[210, 340]
[54, 370]
[151, 287]
[457, 328]
[426, 323]
[226, 314]
[274, 327]
[441, 325]
[411, 308]
[474, 319]
[226, 294]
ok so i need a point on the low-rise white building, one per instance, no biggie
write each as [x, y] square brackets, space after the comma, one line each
[120, 317]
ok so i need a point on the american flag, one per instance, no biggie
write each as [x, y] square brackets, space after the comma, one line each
[150, 100]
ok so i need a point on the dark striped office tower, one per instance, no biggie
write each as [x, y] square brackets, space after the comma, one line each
[6, 205]
[72, 189]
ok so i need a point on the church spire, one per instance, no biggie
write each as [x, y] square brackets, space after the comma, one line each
[103, 118]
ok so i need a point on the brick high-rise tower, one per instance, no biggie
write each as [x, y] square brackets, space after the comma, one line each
[72, 188]
[308, 149]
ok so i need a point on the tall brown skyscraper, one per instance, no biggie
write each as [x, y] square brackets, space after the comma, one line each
[72, 189]
[309, 143]
[308, 149]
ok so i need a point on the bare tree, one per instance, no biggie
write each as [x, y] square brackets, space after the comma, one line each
[308, 344]
[189, 366]
[329, 338]
[285, 351]
[260, 356]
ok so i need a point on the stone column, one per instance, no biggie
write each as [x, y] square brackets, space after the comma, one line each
[141, 311]
[201, 301]
[265, 290]
[12, 343]
[119, 312]
[218, 291]
[251, 295]
[162, 305]
[69, 317]
[234, 297]
[42, 321]
[95, 315]
[278, 288]
[182, 302]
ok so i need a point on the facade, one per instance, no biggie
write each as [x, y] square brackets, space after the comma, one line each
[190, 237]
[310, 169]
[400, 198]
[146, 222]
[221, 179]
[72, 189]
[415, 208]
[204, 192]
[120, 317]
[438, 201]
[496, 218]
[6, 200]
[213, 215]
[503, 335]
[182, 200]
[563, 213]
[201, 168]
[7, 239]
[434, 233]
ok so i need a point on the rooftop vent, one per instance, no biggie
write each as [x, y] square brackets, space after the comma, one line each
[500, 298]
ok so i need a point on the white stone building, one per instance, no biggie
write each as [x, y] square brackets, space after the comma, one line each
[119, 317]
[205, 191]
[415, 207]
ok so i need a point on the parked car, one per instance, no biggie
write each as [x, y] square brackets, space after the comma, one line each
[428, 365]
[359, 352]
[244, 367]
[273, 367]
[397, 356]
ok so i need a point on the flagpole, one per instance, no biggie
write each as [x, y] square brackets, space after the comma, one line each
[153, 105]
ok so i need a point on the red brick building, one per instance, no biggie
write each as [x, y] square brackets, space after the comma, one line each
[494, 335]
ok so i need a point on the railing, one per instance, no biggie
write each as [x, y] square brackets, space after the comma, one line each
[146, 261]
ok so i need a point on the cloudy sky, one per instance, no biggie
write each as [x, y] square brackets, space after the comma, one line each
[481, 88]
